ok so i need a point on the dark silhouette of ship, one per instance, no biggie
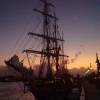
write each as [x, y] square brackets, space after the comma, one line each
[54, 85]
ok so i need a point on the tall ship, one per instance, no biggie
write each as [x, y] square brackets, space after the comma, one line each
[53, 82]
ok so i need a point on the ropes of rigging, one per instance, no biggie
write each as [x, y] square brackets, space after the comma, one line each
[29, 58]
[28, 41]
[32, 46]
[20, 40]
[20, 37]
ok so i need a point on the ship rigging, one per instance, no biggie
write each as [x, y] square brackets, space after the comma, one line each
[54, 84]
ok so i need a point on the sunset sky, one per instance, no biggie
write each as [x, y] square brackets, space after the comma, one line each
[79, 20]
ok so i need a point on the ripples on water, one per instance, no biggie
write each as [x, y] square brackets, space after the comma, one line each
[14, 91]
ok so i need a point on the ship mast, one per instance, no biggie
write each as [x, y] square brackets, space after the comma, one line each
[51, 46]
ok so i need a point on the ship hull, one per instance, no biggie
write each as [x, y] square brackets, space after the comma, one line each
[51, 90]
